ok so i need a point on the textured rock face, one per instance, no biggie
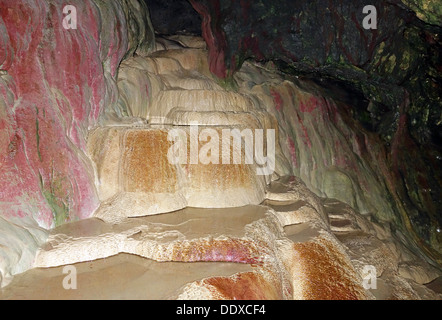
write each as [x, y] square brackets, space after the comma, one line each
[57, 85]
[429, 11]
[280, 253]
[80, 131]
[20, 239]
[384, 66]
[54, 83]
[177, 93]
[134, 171]
[329, 40]
[307, 260]
[283, 249]
[185, 18]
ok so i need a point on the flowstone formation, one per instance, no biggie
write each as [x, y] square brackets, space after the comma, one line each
[139, 154]
[54, 85]
[393, 69]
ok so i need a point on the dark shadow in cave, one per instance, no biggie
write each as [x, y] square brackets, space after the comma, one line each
[174, 17]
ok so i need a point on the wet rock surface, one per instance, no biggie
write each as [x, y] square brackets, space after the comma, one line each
[54, 84]
[394, 69]
[85, 148]
[270, 251]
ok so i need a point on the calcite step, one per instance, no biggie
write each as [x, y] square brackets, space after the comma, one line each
[273, 261]
[135, 176]
[187, 41]
[188, 80]
[400, 273]
[228, 119]
[279, 250]
[196, 100]
[120, 277]
[141, 79]
[293, 212]
[295, 203]
[191, 234]
[189, 59]
[172, 61]
[101, 251]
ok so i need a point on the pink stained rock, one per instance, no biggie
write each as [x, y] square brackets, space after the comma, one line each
[215, 40]
[58, 83]
[54, 85]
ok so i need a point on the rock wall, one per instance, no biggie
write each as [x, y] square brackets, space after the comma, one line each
[317, 139]
[58, 85]
[394, 69]
[55, 83]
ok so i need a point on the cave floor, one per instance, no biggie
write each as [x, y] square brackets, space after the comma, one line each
[211, 254]
[120, 277]
[295, 245]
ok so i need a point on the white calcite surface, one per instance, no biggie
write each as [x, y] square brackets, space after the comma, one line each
[134, 171]
[165, 230]
[299, 247]
[19, 242]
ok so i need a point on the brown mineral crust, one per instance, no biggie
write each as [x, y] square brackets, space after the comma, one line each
[189, 59]
[228, 250]
[224, 176]
[325, 273]
[104, 150]
[243, 286]
[145, 166]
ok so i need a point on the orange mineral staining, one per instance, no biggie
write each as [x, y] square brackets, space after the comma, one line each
[145, 166]
[243, 286]
[324, 273]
